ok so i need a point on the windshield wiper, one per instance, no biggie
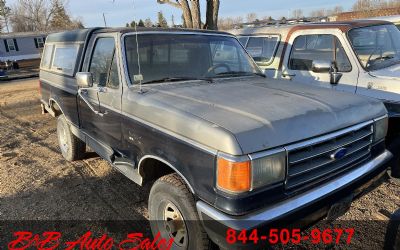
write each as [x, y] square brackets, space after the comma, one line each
[176, 79]
[240, 73]
[382, 58]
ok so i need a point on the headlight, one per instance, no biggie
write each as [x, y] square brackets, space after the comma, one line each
[237, 175]
[380, 128]
[268, 169]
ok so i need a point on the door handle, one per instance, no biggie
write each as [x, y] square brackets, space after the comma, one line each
[286, 74]
[80, 93]
[102, 90]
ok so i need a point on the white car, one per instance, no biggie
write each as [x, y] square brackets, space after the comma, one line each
[361, 57]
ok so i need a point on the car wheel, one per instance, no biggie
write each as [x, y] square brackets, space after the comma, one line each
[173, 214]
[72, 148]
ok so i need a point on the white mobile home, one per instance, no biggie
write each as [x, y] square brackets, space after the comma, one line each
[24, 47]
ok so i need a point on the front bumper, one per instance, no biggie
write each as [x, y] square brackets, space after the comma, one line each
[303, 205]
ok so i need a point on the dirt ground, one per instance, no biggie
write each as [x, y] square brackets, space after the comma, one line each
[37, 183]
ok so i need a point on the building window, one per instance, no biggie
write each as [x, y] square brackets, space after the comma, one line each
[11, 45]
[39, 42]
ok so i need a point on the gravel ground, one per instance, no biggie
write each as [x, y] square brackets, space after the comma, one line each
[36, 183]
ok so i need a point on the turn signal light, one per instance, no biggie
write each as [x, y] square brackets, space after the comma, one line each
[233, 176]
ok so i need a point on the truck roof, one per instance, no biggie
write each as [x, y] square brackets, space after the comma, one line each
[285, 29]
[81, 35]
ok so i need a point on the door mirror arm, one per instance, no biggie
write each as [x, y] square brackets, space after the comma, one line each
[335, 75]
[83, 97]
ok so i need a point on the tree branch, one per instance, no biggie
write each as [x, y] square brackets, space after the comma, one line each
[176, 4]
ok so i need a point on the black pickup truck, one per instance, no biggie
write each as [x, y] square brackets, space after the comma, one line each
[224, 147]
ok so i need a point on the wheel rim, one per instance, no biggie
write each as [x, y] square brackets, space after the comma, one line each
[174, 225]
[62, 138]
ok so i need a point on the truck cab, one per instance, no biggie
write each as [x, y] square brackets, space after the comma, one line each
[360, 57]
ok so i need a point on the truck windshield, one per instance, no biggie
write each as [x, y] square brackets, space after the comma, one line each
[377, 47]
[171, 57]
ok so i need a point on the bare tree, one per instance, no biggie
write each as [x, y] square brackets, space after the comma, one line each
[361, 5]
[42, 15]
[195, 10]
[367, 5]
[336, 10]
[5, 13]
[192, 14]
[212, 15]
[251, 17]
[148, 23]
[230, 22]
[297, 14]
[318, 13]
[184, 6]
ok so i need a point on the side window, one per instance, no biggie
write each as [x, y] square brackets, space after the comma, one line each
[308, 48]
[102, 58]
[262, 49]
[113, 78]
[46, 57]
[243, 40]
[64, 59]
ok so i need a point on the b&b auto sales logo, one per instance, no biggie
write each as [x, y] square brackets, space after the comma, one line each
[53, 240]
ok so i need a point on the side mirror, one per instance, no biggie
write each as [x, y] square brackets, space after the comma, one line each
[84, 79]
[321, 66]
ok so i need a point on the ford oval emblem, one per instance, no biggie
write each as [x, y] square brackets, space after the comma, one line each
[339, 154]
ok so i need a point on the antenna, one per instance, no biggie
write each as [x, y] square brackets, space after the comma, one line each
[138, 77]
[104, 18]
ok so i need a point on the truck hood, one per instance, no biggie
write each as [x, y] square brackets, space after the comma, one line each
[392, 72]
[247, 115]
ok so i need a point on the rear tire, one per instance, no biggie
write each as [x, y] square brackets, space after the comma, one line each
[172, 212]
[72, 148]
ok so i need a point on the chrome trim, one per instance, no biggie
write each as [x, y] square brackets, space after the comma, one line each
[263, 154]
[234, 158]
[382, 117]
[327, 137]
[295, 203]
[331, 149]
[166, 163]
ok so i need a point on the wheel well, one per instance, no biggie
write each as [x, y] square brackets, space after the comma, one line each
[57, 110]
[151, 169]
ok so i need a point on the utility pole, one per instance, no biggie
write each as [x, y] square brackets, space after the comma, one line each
[104, 18]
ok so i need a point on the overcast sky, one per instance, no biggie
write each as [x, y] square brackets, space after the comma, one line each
[123, 11]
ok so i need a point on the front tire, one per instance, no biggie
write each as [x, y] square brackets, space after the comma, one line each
[72, 148]
[172, 212]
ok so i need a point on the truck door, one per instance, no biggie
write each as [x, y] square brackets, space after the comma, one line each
[320, 58]
[101, 115]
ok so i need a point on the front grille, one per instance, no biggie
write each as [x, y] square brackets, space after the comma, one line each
[311, 161]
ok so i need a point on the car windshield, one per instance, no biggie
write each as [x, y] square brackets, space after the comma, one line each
[377, 47]
[171, 57]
